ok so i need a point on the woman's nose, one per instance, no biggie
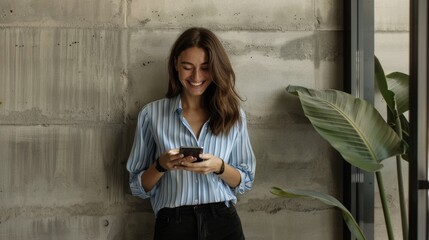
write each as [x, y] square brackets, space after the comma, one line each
[197, 75]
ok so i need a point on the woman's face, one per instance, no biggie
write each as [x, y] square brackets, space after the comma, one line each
[193, 71]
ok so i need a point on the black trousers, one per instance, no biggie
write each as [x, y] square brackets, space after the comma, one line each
[213, 221]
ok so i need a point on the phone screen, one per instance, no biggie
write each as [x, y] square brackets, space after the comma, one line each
[192, 151]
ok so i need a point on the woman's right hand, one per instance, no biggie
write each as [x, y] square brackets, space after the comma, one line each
[172, 159]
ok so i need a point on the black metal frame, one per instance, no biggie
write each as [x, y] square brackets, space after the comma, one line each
[419, 134]
[358, 192]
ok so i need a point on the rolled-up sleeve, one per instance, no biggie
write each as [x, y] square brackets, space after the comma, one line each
[243, 158]
[141, 155]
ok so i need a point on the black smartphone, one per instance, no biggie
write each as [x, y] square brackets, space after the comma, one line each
[192, 151]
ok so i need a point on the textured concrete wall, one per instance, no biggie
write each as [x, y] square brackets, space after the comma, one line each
[74, 73]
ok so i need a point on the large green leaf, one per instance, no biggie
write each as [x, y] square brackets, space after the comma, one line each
[405, 131]
[395, 90]
[398, 83]
[381, 80]
[351, 125]
[327, 199]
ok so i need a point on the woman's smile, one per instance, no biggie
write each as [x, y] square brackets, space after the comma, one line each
[196, 84]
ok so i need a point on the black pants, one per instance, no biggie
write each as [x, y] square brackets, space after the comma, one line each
[200, 222]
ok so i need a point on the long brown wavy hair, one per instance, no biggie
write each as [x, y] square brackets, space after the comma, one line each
[220, 97]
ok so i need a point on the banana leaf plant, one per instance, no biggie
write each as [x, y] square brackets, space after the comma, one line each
[359, 133]
[394, 88]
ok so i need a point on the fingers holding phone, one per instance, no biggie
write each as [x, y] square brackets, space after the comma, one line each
[192, 151]
[173, 158]
[205, 163]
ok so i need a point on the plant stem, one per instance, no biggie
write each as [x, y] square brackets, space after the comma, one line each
[402, 198]
[398, 130]
[384, 204]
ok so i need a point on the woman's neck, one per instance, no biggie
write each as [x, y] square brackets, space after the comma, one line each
[192, 102]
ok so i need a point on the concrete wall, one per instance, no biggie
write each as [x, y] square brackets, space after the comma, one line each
[74, 74]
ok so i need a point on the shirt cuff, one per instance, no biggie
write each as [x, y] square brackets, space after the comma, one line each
[245, 183]
[136, 186]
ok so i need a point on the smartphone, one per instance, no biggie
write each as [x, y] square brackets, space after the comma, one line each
[192, 151]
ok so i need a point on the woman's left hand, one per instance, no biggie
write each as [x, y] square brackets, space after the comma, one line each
[209, 164]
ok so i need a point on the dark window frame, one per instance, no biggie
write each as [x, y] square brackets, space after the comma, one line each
[358, 185]
[419, 117]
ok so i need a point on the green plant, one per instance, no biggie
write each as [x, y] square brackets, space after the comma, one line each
[394, 88]
[360, 134]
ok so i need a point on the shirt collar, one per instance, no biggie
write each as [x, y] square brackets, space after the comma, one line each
[176, 105]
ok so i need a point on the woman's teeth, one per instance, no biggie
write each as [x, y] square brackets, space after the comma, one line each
[195, 84]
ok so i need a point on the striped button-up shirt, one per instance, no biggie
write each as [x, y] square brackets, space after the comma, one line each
[161, 127]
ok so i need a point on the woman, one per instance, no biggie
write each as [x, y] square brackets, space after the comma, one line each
[194, 200]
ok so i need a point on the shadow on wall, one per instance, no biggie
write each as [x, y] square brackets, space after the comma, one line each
[321, 46]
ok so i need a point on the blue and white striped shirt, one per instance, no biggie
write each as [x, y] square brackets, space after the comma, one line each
[162, 127]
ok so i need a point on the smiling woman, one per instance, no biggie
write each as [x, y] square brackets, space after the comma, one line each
[193, 72]
[194, 199]
[221, 97]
